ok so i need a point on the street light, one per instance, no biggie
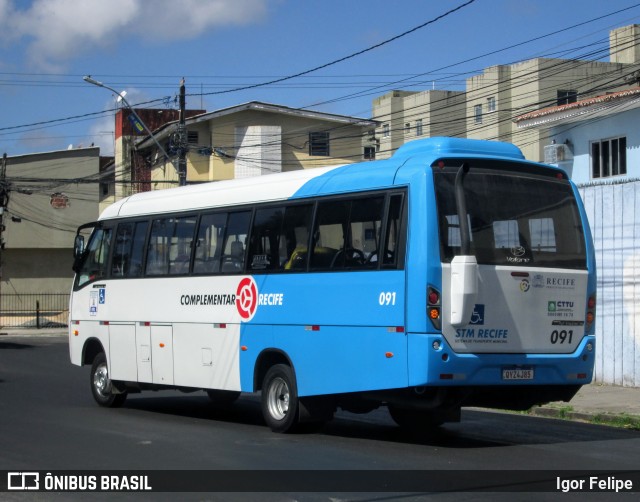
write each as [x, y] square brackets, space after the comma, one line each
[89, 80]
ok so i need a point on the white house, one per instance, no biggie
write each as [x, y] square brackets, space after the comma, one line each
[597, 141]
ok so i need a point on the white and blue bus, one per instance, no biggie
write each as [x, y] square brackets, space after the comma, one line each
[453, 274]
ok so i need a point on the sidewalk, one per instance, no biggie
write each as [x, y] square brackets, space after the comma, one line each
[597, 403]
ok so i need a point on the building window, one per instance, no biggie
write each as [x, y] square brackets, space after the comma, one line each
[477, 114]
[319, 144]
[609, 157]
[369, 153]
[385, 130]
[491, 104]
[566, 97]
[192, 137]
[419, 127]
[407, 128]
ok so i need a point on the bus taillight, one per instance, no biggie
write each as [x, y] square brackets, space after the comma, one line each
[591, 311]
[433, 307]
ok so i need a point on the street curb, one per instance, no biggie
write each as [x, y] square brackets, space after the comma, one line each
[585, 416]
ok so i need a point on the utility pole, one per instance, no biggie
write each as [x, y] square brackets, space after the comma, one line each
[4, 201]
[183, 142]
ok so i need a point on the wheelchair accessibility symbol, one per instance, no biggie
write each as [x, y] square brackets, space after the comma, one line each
[477, 316]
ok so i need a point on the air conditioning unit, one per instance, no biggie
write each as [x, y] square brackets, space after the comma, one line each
[555, 154]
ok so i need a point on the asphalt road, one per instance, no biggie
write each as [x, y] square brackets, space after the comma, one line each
[49, 421]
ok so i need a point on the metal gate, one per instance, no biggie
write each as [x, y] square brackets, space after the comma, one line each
[47, 310]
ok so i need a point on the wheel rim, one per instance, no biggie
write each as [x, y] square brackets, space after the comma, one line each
[101, 382]
[278, 399]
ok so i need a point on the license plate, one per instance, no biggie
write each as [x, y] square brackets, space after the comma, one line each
[517, 373]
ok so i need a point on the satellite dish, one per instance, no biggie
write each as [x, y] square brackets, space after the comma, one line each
[121, 96]
[70, 147]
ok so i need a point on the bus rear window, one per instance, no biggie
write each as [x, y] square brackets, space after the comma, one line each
[516, 218]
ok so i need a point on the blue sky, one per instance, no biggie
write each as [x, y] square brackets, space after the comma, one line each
[146, 46]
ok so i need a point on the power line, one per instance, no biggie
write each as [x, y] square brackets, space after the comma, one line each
[342, 59]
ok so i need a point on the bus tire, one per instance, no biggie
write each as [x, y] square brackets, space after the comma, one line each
[223, 397]
[280, 405]
[101, 387]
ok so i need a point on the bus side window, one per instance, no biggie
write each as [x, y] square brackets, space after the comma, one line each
[170, 246]
[209, 243]
[180, 245]
[394, 227]
[329, 234]
[122, 249]
[265, 234]
[294, 238]
[94, 266]
[157, 252]
[234, 242]
[137, 250]
[364, 232]
[129, 249]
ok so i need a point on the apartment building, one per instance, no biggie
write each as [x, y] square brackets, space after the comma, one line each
[409, 115]
[491, 100]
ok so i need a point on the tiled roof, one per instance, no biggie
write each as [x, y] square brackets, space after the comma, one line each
[605, 98]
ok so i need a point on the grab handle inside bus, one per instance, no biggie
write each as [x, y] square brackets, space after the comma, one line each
[464, 267]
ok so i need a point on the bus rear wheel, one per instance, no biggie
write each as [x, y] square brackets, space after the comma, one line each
[101, 386]
[280, 403]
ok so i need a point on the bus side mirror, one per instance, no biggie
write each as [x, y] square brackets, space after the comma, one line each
[78, 246]
[464, 288]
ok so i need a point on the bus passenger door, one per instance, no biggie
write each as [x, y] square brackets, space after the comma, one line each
[122, 352]
[162, 354]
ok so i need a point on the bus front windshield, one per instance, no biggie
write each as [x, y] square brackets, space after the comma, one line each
[517, 217]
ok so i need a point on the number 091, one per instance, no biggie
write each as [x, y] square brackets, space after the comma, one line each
[387, 298]
[561, 336]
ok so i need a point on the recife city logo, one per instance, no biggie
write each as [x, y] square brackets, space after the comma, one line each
[247, 298]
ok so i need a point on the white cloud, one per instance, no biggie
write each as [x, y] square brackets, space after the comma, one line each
[55, 31]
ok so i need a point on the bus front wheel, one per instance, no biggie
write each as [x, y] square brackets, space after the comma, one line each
[101, 386]
[280, 399]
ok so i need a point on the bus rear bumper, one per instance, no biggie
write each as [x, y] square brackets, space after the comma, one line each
[444, 367]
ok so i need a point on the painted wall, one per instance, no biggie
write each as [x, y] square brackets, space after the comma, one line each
[614, 215]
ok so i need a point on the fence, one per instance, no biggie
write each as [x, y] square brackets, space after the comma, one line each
[613, 210]
[34, 310]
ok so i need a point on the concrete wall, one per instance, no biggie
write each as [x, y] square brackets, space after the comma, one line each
[47, 225]
[41, 225]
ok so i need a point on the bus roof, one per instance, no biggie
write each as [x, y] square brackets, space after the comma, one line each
[306, 182]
